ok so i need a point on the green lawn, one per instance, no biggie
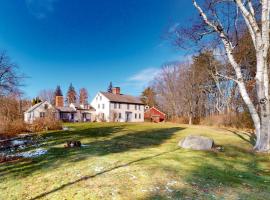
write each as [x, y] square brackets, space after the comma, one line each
[139, 161]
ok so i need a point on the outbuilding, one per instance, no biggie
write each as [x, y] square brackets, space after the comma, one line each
[154, 115]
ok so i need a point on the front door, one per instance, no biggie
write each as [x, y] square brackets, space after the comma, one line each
[128, 116]
[84, 117]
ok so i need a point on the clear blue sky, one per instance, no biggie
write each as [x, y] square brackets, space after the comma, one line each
[90, 42]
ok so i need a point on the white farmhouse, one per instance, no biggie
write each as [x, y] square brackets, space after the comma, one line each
[117, 107]
[39, 110]
[70, 113]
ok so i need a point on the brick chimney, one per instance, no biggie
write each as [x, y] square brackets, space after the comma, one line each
[116, 90]
[59, 101]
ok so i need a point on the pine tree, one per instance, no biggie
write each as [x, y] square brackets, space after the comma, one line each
[36, 101]
[71, 95]
[110, 88]
[58, 91]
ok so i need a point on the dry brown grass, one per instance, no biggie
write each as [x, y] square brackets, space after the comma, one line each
[180, 120]
[232, 120]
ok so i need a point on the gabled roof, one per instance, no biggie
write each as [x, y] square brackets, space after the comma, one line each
[154, 109]
[122, 98]
[66, 109]
[35, 106]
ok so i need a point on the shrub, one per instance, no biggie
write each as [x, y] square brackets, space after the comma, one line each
[47, 123]
[234, 120]
[11, 128]
[180, 120]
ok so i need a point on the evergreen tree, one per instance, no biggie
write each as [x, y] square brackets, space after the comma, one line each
[110, 88]
[58, 91]
[71, 95]
[35, 101]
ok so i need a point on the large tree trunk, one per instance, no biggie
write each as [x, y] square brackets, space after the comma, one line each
[190, 119]
[262, 82]
[263, 142]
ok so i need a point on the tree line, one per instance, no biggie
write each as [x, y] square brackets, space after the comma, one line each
[71, 96]
[192, 92]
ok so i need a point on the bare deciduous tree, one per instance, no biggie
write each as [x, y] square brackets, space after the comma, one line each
[47, 95]
[83, 96]
[9, 78]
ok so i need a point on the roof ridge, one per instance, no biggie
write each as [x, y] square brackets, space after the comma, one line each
[122, 98]
[35, 106]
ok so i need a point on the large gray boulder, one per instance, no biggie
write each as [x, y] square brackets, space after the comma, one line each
[196, 142]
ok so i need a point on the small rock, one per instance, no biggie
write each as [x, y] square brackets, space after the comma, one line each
[65, 128]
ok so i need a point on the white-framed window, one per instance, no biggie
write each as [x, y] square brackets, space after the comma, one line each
[98, 105]
[140, 116]
[119, 115]
[42, 114]
[139, 107]
[128, 106]
[119, 105]
[115, 105]
[100, 98]
[135, 115]
[135, 107]
[103, 106]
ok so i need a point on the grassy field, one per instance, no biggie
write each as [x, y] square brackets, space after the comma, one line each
[139, 161]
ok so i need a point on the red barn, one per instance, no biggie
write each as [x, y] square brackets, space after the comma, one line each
[154, 115]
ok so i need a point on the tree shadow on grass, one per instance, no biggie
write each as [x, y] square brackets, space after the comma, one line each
[101, 173]
[218, 172]
[110, 144]
[59, 137]
[246, 136]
